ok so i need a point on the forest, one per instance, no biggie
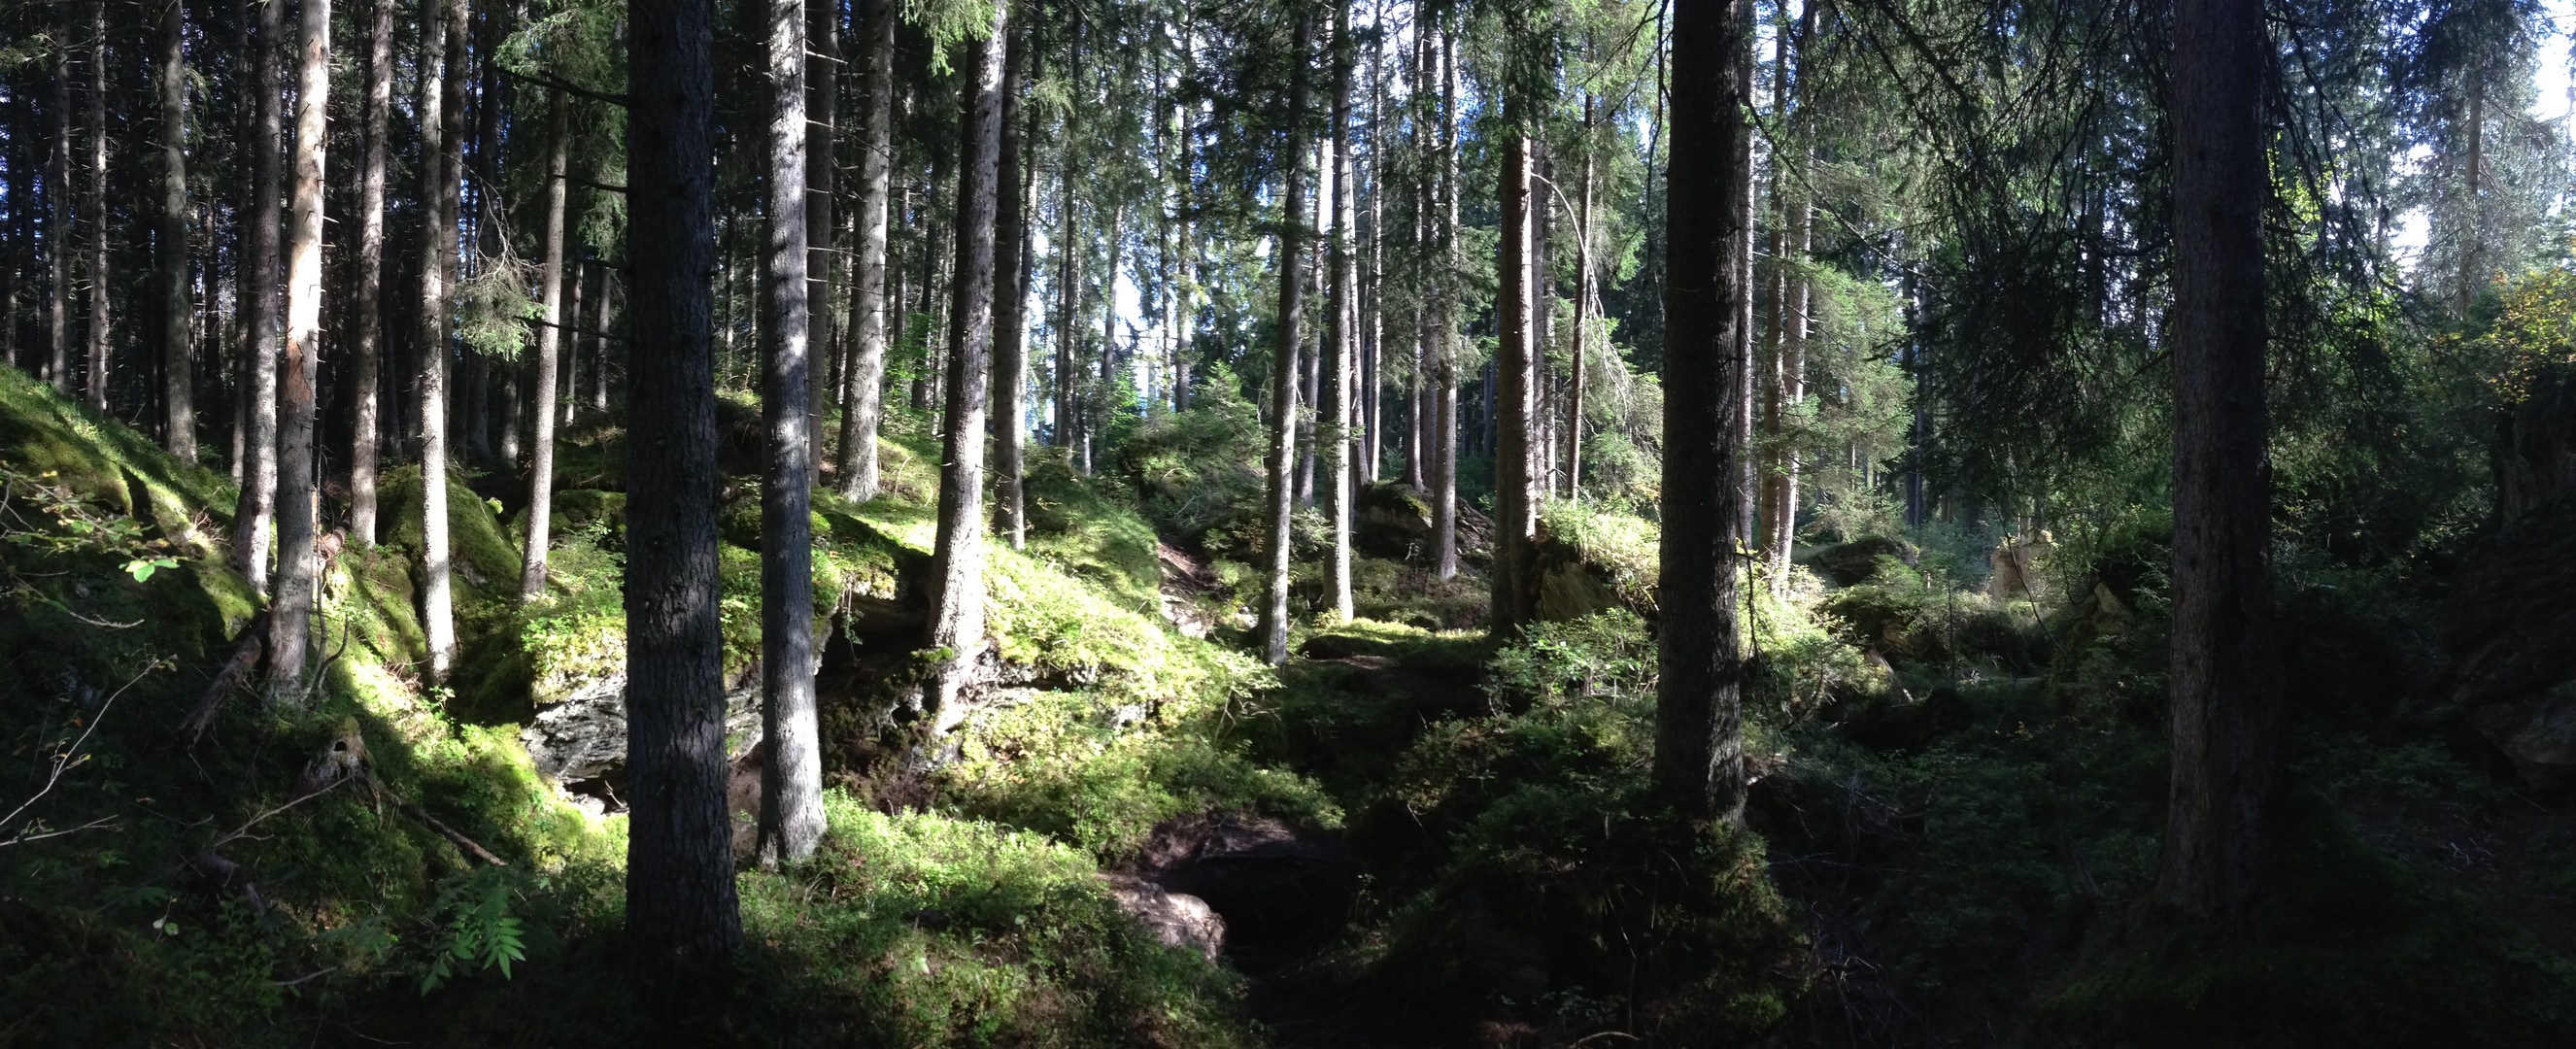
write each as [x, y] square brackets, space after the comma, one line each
[1179, 523]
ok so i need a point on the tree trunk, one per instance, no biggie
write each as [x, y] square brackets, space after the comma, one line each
[791, 795]
[822, 102]
[1310, 359]
[258, 286]
[99, 343]
[1097, 425]
[1444, 442]
[1011, 298]
[1068, 285]
[2227, 749]
[682, 919]
[290, 618]
[924, 364]
[1516, 375]
[957, 566]
[1334, 431]
[1740, 169]
[1283, 364]
[602, 317]
[550, 282]
[1417, 415]
[1185, 293]
[1792, 380]
[178, 385]
[1699, 760]
[369, 337]
[58, 227]
[857, 455]
[575, 280]
[1372, 451]
[1582, 317]
[440, 166]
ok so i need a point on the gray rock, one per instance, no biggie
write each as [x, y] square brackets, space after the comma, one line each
[1176, 919]
[2539, 735]
[583, 736]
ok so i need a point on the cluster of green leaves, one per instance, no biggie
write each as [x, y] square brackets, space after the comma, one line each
[481, 932]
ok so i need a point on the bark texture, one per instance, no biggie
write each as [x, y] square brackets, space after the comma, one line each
[290, 619]
[1335, 428]
[791, 781]
[550, 282]
[1010, 300]
[682, 919]
[99, 340]
[2226, 669]
[1516, 375]
[864, 400]
[1444, 425]
[253, 515]
[440, 165]
[957, 566]
[1699, 760]
[178, 335]
[367, 338]
[1273, 628]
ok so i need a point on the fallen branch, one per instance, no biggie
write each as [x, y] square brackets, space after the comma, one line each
[246, 654]
[101, 823]
[462, 842]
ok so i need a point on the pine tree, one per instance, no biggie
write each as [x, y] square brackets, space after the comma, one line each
[682, 919]
[550, 281]
[791, 796]
[2227, 745]
[1699, 759]
[176, 329]
[1273, 627]
[861, 402]
[252, 517]
[290, 616]
[368, 311]
[957, 561]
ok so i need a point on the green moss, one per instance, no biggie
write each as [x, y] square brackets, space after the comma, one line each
[1622, 545]
[1099, 775]
[1086, 526]
[107, 463]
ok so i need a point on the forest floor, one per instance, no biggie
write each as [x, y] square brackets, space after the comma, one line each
[1416, 836]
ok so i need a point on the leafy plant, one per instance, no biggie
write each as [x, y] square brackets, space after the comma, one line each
[480, 928]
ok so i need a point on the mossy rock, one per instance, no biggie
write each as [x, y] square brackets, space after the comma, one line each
[485, 561]
[1852, 563]
[104, 462]
[579, 508]
[1393, 522]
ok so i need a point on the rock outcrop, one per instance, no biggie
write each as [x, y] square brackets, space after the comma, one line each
[2512, 633]
[579, 742]
[1852, 563]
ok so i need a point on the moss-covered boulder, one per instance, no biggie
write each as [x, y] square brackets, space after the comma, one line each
[2512, 629]
[1852, 563]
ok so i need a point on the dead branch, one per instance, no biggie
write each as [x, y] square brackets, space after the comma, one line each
[71, 755]
[246, 654]
[462, 842]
